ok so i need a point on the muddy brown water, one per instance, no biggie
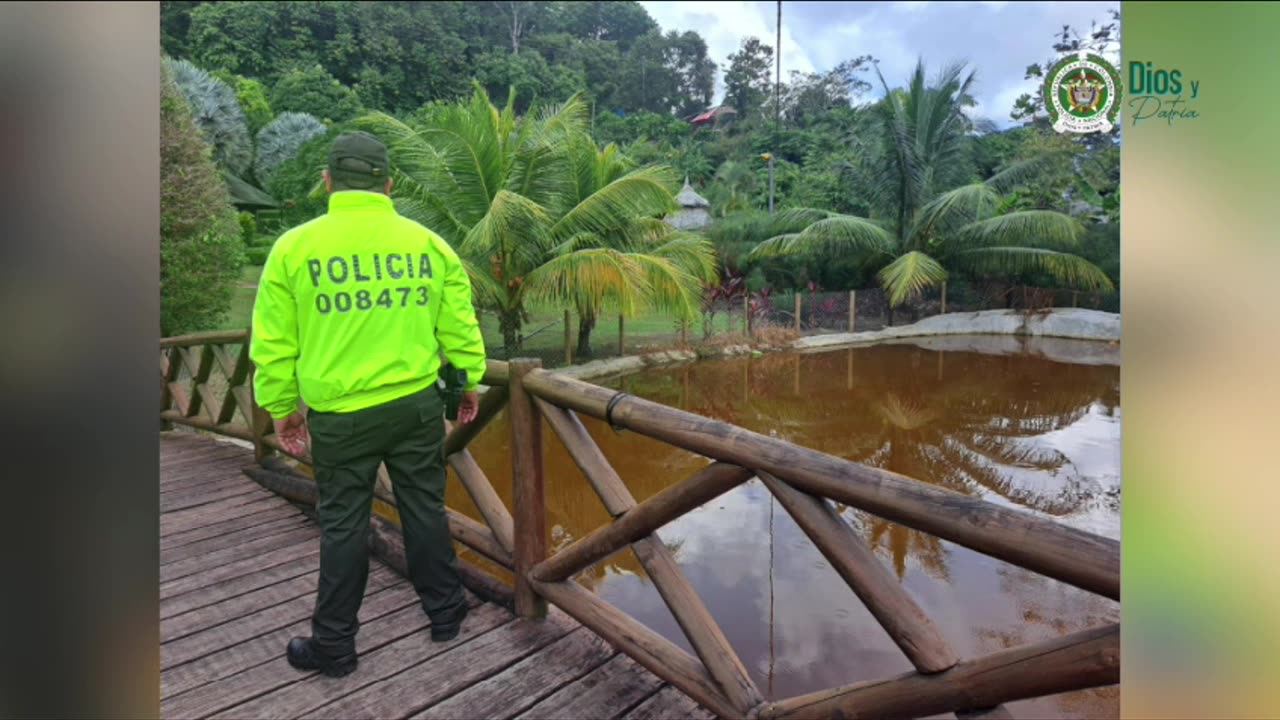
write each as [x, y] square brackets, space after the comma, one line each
[1014, 429]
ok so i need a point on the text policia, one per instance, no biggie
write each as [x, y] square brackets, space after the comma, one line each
[395, 266]
[1157, 94]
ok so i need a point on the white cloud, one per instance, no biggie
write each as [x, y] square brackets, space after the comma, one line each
[724, 25]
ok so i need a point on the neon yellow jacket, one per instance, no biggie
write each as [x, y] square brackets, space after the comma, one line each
[354, 308]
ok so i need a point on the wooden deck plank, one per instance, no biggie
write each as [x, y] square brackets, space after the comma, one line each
[411, 646]
[189, 464]
[669, 703]
[216, 511]
[247, 627]
[248, 549]
[238, 673]
[178, 468]
[521, 686]
[606, 692]
[230, 539]
[197, 476]
[239, 568]
[215, 492]
[202, 597]
[420, 684]
[266, 514]
[177, 452]
[172, 628]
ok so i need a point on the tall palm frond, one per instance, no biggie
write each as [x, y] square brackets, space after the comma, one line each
[1071, 270]
[909, 275]
[834, 235]
[1029, 228]
[640, 193]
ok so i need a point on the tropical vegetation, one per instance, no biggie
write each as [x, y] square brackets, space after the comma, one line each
[554, 196]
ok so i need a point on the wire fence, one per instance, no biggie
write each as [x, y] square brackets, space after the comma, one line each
[773, 318]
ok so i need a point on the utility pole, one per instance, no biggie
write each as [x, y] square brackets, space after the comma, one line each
[777, 99]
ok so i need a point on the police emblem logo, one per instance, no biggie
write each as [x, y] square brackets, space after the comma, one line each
[1082, 94]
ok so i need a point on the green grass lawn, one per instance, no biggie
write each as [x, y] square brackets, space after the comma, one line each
[241, 312]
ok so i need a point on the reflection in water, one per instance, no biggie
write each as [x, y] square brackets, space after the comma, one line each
[1016, 430]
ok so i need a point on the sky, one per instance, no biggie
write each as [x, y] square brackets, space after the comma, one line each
[998, 39]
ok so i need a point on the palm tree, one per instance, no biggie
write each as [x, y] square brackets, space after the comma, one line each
[528, 203]
[922, 219]
[675, 265]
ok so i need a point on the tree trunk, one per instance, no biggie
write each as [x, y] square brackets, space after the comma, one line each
[509, 322]
[586, 323]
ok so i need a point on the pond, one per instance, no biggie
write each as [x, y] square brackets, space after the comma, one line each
[1012, 428]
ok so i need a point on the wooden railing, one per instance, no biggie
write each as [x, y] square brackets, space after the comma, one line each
[804, 482]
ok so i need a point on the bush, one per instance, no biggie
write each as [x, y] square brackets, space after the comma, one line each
[296, 181]
[248, 227]
[201, 252]
[252, 97]
[257, 255]
[213, 105]
[280, 141]
[315, 92]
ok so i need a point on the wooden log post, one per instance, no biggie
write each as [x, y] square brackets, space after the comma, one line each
[652, 651]
[1074, 556]
[529, 489]
[799, 308]
[568, 339]
[699, 626]
[709, 483]
[262, 425]
[1086, 659]
[622, 335]
[684, 333]
[944, 297]
[878, 589]
[746, 316]
[485, 498]
[853, 309]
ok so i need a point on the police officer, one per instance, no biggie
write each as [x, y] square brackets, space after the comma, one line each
[353, 311]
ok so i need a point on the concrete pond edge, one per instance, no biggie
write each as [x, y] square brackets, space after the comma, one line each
[1074, 335]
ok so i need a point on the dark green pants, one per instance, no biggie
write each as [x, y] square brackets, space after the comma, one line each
[407, 434]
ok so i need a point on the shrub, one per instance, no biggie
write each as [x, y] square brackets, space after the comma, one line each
[315, 92]
[281, 140]
[217, 113]
[201, 252]
[248, 227]
[257, 255]
[295, 182]
[252, 97]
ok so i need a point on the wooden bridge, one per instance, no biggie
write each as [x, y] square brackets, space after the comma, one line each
[239, 558]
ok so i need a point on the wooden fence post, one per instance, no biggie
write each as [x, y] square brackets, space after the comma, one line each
[622, 335]
[746, 315]
[568, 340]
[944, 297]
[799, 306]
[1075, 298]
[684, 333]
[528, 489]
[853, 309]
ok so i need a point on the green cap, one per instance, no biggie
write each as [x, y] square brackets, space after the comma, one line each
[359, 160]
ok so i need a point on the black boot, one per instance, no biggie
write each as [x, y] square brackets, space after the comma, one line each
[304, 655]
[448, 630]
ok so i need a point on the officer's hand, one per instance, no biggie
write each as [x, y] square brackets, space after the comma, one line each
[469, 407]
[293, 434]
